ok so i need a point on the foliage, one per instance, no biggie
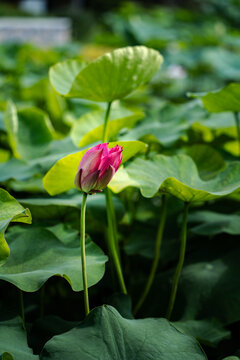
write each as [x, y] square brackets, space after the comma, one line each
[184, 149]
[104, 325]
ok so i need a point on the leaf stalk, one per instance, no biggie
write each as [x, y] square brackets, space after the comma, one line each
[111, 217]
[180, 262]
[155, 262]
[83, 254]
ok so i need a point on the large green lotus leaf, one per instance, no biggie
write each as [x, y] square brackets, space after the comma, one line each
[232, 358]
[114, 127]
[41, 91]
[17, 169]
[62, 75]
[13, 341]
[37, 254]
[66, 206]
[60, 177]
[64, 233]
[210, 286]
[10, 210]
[225, 99]
[29, 131]
[73, 199]
[109, 77]
[209, 162]
[176, 175]
[167, 123]
[106, 335]
[56, 105]
[164, 133]
[89, 128]
[59, 149]
[212, 223]
[33, 185]
[206, 331]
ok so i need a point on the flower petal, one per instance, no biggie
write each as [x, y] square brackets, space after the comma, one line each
[115, 149]
[105, 148]
[88, 183]
[91, 160]
[77, 180]
[114, 159]
[103, 181]
[117, 159]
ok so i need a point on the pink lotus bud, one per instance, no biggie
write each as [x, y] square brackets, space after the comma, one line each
[97, 168]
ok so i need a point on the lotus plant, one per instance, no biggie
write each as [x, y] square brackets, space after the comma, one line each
[95, 171]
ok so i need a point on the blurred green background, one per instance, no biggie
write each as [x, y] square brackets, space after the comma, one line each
[200, 43]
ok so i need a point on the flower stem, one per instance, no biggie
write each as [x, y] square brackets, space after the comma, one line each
[111, 216]
[180, 262]
[105, 126]
[156, 255]
[83, 255]
[237, 121]
[112, 243]
[22, 309]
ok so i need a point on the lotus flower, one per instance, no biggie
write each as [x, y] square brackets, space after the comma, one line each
[97, 168]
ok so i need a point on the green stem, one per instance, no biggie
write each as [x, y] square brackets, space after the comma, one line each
[114, 220]
[156, 255]
[112, 223]
[112, 243]
[180, 262]
[237, 121]
[105, 126]
[83, 254]
[22, 309]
